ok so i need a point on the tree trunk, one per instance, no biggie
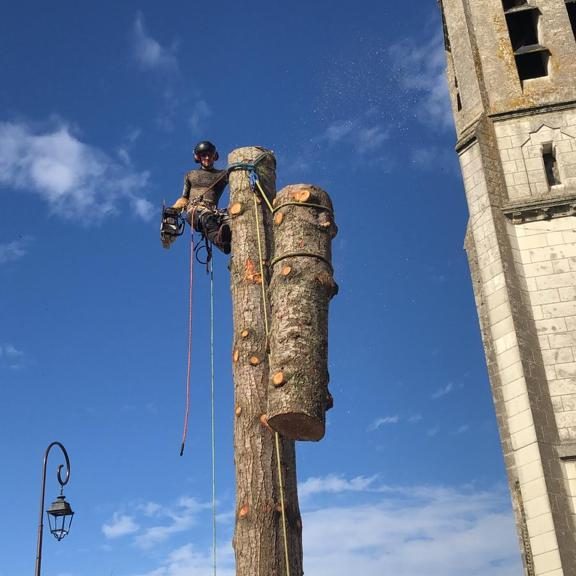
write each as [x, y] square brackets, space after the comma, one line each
[258, 537]
[300, 291]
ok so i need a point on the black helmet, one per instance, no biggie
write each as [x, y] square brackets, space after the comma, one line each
[204, 146]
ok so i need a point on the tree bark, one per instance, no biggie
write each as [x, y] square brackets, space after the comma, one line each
[258, 537]
[300, 291]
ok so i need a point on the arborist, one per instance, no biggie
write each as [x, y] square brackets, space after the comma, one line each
[203, 188]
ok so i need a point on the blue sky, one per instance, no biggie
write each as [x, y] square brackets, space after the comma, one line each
[100, 107]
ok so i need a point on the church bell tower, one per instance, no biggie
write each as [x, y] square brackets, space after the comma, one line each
[511, 68]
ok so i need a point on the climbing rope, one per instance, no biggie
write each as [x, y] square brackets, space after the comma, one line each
[254, 179]
[195, 249]
[212, 410]
[189, 360]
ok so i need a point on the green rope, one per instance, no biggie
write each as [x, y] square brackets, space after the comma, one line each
[276, 436]
[304, 205]
[212, 402]
[302, 255]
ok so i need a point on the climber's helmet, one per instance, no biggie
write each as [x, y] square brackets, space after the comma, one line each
[205, 153]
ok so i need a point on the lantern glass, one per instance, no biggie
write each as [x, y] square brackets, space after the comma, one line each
[60, 516]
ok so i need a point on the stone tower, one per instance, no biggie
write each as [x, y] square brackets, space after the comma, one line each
[511, 67]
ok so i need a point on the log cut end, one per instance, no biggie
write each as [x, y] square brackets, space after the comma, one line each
[297, 426]
[236, 209]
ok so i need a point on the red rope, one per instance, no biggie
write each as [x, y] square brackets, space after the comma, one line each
[189, 363]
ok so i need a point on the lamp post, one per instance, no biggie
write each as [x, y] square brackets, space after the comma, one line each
[60, 513]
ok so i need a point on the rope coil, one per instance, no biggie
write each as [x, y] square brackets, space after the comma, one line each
[301, 254]
[304, 205]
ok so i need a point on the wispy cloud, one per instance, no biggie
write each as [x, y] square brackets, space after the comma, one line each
[187, 560]
[379, 422]
[334, 484]
[11, 251]
[405, 531]
[363, 134]
[75, 179]
[10, 351]
[443, 391]
[120, 525]
[438, 533]
[148, 51]
[420, 67]
[200, 113]
[434, 158]
[11, 356]
[151, 524]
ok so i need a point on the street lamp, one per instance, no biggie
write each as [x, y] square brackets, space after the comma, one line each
[60, 513]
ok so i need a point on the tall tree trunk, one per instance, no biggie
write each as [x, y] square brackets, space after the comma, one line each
[259, 537]
[300, 289]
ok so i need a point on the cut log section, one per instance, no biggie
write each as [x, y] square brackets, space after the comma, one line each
[301, 287]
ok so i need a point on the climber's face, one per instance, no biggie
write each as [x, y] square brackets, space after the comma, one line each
[207, 158]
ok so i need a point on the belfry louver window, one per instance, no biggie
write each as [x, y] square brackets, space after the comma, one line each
[523, 21]
[550, 165]
[509, 4]
[571, 7]
[448, 48]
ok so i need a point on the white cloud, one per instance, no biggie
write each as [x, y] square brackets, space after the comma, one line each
[200, 113]
[378, 423]
[188, 561]
[405, 531]
[438, 534]
[176, 519]
[443, 391]
[149, 53]
[11, 251]
[420, 67]
[433, 158]
[120, 525]
[11, 356]
[333, 484]
[10, 351]
[361, 134]
[75, 179]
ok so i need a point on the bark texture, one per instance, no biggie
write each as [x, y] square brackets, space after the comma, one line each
[301, 287]
[258, 537]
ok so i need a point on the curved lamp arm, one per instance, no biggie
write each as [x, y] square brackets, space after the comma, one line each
[62, 483]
